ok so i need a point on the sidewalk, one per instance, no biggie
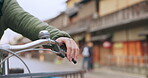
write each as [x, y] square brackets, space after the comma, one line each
[44, 66]
[107, 73]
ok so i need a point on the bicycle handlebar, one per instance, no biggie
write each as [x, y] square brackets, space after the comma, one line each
[29, 45]
[47, 41]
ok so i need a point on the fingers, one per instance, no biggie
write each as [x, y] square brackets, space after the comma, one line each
[76, 51]
[69, 49]
[72, 48]
[68, 45]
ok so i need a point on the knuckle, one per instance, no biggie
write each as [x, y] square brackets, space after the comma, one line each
[66, 38]
[68, 53]
[72, 55]
[77, 49]
[70, 48]
[71, 40]
[74, 48]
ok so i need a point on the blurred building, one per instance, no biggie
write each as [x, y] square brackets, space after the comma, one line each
[118, 29]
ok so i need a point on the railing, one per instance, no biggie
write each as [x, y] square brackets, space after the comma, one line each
[126, 15]
[68, 74]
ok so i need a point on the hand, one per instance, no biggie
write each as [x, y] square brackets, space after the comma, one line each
[72, 48]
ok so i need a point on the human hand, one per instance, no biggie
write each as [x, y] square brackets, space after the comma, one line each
[72, 48]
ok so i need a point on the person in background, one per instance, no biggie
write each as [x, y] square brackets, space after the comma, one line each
[87, 54]
[91, 55]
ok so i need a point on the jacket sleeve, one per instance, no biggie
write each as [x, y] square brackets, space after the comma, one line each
[15, 18]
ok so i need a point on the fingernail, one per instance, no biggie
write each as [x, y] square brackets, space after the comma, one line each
[69, 58]
[75, 58]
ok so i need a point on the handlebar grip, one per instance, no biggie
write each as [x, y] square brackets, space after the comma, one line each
[55, 48]
[74, 61]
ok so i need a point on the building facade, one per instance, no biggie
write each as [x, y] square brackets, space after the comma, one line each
[118, 29]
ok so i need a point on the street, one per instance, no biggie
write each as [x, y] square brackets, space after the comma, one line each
[37, 66]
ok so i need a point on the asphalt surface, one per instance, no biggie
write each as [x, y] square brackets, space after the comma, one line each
[37, 66]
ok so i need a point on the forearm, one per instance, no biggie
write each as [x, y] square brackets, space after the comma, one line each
[24, 23]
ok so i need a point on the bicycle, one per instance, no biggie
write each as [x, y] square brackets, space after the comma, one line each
[12, 50]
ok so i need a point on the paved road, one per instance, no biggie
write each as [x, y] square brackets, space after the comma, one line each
[106, 73]
[39, 66]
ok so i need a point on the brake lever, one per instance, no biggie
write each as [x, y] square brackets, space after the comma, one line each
[61, 50]
[44, 34]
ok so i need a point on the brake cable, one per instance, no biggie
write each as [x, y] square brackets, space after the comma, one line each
[11, 52]
[26, 51]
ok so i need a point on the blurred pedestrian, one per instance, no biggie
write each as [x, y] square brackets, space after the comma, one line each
[91, 56]
[87, 54]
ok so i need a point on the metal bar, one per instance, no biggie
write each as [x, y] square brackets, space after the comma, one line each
[74, 75]
[66, 76]
[70, 74]
[30, 45]
[82, 76]
[5, 68]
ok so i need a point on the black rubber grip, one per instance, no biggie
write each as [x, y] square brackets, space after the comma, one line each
[74, 61]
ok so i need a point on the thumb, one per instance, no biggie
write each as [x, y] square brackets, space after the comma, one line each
[60, 41]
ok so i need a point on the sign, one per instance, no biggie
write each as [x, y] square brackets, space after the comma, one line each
[106, 44]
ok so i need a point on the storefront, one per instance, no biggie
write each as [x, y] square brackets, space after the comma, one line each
[128, 47]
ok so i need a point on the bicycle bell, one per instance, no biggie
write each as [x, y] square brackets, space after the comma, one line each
[44, 34]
